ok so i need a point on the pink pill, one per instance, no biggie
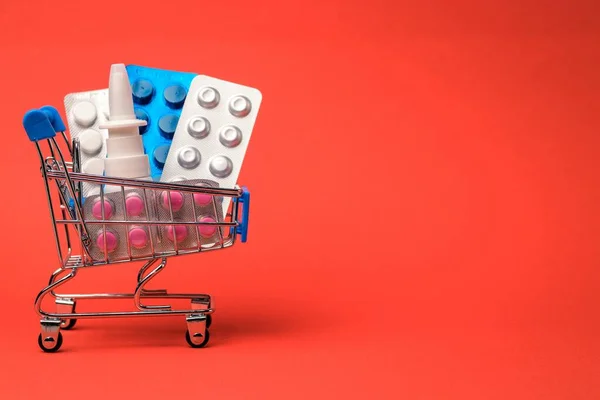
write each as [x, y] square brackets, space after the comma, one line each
[206, 230]
[97, 209]
[202, 199]
[176, 200]
[138, 238]
[111, 241]
[134, 205]
[180, 231]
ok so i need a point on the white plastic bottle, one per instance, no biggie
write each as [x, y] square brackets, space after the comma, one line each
[125, 156]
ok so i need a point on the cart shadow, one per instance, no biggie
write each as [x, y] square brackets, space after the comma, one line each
[170, 332]
[264, 326]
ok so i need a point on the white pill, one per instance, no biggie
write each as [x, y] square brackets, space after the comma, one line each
[85, 113]
[188, 157]
[208, 97]
[239, 106]
[95, 166]
[178, 179]
[198, 127]
[220, 166]
[90, 142]
[230, 136]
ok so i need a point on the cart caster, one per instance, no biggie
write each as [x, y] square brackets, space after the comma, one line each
[66, 306]
[197, 330]
[203, 304]
[50, 339]
[67, 324]
[48, 344]
[195, 344]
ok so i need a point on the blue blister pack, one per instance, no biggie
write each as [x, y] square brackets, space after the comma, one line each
[158, 97]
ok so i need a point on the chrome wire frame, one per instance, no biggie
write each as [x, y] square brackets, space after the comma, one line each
[69, 214]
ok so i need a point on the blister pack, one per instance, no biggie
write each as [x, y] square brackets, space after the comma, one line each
[85, 112]
[120, 241]
[213, 132]
[188, 207]
[158, 97]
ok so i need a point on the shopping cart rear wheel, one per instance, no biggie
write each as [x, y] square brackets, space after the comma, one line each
[208, 321]
[57, 344]
[66, 306]
[192, 344]
[67, 324]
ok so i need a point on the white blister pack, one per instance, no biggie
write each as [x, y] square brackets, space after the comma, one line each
[213, 133]
[85, 112]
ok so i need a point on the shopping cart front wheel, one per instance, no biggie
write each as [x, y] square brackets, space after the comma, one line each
[194, 344]
[50, 344]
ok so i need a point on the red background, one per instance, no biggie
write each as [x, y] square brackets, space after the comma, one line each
[424, 218]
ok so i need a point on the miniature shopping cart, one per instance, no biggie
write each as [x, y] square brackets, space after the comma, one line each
[70, 220]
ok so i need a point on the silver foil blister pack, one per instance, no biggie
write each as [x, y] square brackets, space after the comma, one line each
[85, 112]
[213, 133]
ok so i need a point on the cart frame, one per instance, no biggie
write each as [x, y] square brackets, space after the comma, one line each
[62, 180]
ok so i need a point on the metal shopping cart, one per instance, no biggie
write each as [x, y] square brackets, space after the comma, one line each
[71, 219]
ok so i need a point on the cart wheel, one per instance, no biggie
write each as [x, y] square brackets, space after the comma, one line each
[67, 306]
[57, 345]
[192, 344]
[67, 324]
[208, 321]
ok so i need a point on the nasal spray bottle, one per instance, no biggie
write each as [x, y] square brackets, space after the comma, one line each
[125, 156]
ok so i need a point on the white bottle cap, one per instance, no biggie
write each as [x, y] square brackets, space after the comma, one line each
[120, 101]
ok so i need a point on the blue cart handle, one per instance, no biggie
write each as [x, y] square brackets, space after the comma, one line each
[43, 123]
[57, 123]
[242, 227]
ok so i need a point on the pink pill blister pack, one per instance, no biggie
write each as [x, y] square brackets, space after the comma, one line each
[120, 241]
[124, 240]
[187, 207]
[85, 112]
[213, 133]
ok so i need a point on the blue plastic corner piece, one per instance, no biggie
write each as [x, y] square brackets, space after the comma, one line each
[242, 227]
[37, 125]
[55, 119]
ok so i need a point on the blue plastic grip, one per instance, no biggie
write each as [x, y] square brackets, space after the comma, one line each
[38, 126]
[242, 227]
[54, 117]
